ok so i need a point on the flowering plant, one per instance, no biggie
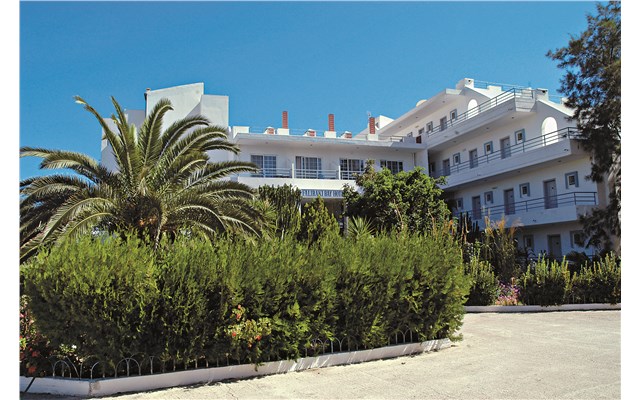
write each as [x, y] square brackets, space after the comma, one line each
[246, 332]
[34, 347]
[508, 295]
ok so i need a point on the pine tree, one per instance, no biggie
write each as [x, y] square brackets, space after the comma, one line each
[592, 84]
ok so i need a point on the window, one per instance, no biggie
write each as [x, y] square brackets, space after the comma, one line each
[350, 167]
[453, 114]
[308, 167]
[459, 203]
[443, 123]
[430, 127]
[456, 159]
[571, 179]
[267, 165]
[524, 190]
[393, 166]
[519, 136]
[420, 131]
[577, 239]
[488, 148]
[488, 197]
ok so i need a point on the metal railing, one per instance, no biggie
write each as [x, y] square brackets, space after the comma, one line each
[300, 173]
[541, 203]
[501, 154]
[486, 106]
[270, 173]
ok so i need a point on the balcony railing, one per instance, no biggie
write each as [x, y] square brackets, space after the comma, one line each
[486, 106]
[501, 154]
[300, 173]
[542, 203]
[269, 131]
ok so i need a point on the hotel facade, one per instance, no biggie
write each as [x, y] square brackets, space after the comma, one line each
[506, 152]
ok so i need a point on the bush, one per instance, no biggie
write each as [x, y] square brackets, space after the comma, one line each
[484, 283]
[233, 301]
[599, 282]
[545, 283]
[97, 295]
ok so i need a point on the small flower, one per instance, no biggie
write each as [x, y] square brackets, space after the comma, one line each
[32, 369]
[233, 333]
[35, 353]
[258, 337]
[239, 307]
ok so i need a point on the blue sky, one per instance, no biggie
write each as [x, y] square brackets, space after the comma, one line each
[309, 58]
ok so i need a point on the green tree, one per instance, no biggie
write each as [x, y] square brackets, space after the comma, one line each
[164, 183]
[592, 85]
[317, 222]
[408, 199]
[286, 200]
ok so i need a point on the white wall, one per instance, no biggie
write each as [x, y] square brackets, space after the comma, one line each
[286, 156]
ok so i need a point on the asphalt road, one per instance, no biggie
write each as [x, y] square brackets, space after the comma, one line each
[553, 355]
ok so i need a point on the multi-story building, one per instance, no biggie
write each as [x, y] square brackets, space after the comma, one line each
[506, 152]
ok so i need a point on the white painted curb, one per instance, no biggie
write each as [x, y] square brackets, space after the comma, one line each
[525, 309]
[104, 387]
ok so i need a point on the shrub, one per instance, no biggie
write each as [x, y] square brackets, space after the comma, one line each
[599, 282]
[484, 283]
[235, 301]
[34, 347]
[545, 283]
[286, 200]
[96, 295]
[316, 222]
[499, 247]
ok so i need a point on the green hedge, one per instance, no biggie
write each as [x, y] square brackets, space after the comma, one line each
[245, 301]
[485, 285]
[551, 283]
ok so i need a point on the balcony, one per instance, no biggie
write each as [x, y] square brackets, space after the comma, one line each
[511, 94]
[246, 135]
[540, 149]
[308, 180]
[544, 210]
[297, 173]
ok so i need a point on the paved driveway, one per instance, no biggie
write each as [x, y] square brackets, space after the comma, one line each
[555, 355]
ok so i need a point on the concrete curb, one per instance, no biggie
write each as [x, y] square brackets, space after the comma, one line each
[527, 309]
[104, 387]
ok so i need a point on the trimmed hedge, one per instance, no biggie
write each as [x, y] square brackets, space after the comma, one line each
[245, 301]
[551, 283]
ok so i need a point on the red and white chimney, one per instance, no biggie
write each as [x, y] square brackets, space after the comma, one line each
[372, 125]
[332, 125]
[285, 120]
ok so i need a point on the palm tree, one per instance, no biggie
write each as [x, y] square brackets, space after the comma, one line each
[164, 184]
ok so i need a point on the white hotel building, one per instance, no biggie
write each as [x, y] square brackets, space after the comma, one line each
[505, 151]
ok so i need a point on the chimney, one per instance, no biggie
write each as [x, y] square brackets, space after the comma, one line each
[285, 120]
[332, 125]
[372, 125]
